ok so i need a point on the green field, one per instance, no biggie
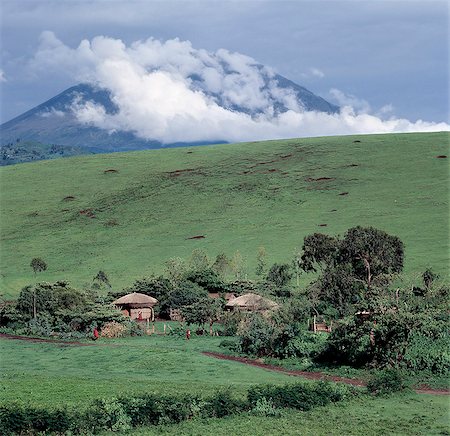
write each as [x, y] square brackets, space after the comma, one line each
[239, 196]
[45, 374]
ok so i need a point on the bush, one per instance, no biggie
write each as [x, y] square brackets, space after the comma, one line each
[113, 330]
[256, 336]
[301, 396]
[108, 414]
[265, 407]
[223, 404]
[386, 382]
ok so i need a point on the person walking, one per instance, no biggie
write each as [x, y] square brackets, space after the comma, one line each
[95, 334]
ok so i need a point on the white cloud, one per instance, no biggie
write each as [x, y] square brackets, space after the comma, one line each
[171, 92]
[317, 73]
[2, 76]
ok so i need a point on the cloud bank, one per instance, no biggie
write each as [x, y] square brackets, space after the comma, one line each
[172, 92]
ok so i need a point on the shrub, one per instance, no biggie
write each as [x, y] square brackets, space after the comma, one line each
[301, 396]
[108, 414]
[256, 336]
[223, 404]
[113, 330]
[265, 407]
[386, 382]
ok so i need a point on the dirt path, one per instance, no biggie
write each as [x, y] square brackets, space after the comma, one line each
[52, 341]
[311, 375]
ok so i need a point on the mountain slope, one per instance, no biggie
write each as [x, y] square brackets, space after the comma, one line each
[126, 213]
[55, 121]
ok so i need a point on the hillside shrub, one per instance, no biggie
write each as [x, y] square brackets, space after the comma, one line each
[386, 382]
[222, 403]
[113, 329]
[301, 396]
[108, 414]
[265, 407]
[121, 414]
[257, 335]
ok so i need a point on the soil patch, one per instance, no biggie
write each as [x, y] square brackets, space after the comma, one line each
[319, 179]
[333, 210]
[356, 140]
[178, 173]
[69, 198]
[343, 193]
[87, 212]
[352, 165]
[442, 156]
[197, 237]
[312, 375]
[322, 225]
[111, 170]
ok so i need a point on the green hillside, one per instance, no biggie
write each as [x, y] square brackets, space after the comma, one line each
[126, 213]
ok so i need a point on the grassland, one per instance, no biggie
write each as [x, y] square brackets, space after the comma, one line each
[127, 222]
[45, 374]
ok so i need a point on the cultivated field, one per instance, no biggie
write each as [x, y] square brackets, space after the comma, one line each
[126, 213]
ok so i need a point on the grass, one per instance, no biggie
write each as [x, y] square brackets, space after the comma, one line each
[45, 374]
[239, 196]
[398, 415]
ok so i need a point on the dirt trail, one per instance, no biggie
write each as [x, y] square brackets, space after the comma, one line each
[52, 341]
[311, 375]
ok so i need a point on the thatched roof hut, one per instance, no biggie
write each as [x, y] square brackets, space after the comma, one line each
[136, 301]
[137, 306]
[251, 302]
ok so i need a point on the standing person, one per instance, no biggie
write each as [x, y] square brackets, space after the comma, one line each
[95, 334]
[188, 334]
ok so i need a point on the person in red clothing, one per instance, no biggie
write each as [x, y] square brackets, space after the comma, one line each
[188, 334]
[95, 334]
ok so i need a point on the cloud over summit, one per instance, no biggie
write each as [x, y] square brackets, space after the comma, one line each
[171, 92]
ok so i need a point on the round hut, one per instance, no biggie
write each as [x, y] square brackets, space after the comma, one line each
[251, 303]
[137, 306]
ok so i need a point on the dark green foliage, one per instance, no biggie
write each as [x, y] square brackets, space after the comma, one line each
[279, 274]
[301, 396]
[207, 310]
[319, 250]
[429, 277]
[404, 330]
[101, 279]
[294, 341]
[107, 414]
[221, 265]
[185, 294]
[224, 404]
[257, 336]
[38, 265]
[49, 298]
[18, 419]
[230, 323]
[386, 382]
[371, 253]
[362, 262]
[207, 279]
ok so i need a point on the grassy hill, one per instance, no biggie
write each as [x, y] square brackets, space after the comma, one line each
[126, 213]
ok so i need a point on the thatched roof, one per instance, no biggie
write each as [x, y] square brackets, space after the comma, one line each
[252, 302]
[136, 300]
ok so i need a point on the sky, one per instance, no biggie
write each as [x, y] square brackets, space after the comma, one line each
[382, 59]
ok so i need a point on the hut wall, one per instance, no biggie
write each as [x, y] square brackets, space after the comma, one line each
[145, 313]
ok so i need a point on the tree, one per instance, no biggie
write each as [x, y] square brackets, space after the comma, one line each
[175, 269]
[204, 311]
[237, 265]
[261, 261]
[221, 265]
[372, 253]
[354, 268]
[319, 251]
[279, 274]
[207, 279]
[100, 279]
[38, 265]
[199, 260]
